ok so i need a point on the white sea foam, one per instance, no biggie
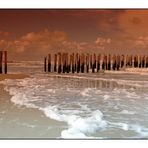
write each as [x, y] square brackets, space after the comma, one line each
[85, 92]
[127, 112]
[82, 109]
[106, 97]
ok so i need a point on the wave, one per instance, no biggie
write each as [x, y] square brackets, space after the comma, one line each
[85, 110]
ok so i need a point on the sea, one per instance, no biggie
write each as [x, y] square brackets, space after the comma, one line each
[74, 106]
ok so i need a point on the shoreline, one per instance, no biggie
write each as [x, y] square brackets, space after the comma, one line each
[22, 122]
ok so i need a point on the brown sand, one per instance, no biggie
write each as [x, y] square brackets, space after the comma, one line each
[12, 76]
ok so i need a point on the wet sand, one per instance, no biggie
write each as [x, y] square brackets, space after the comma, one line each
[21, 122]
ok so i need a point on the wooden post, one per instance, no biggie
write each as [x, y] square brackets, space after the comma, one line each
[78, 68]
[133, 61]
[49, 62]
[143, 61]
[125, 60]
[55, 62]
[5, 62]
[90, 61]
[82, 62]
[111, 67]
[146, 61]
[109, 62]
[105, 62]
[59, 63]
[67, 63]
[1, 60]
[101, 61]
[87, 63]
[45, 63]
[138, 61]
[63, 62]
[122, 61]
[73, 63]
[98, 62]
[93, 63]
[118, 62]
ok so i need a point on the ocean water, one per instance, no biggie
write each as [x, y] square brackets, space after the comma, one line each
[98, 106]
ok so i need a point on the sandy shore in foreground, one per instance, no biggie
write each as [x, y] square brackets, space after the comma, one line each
[21, 122]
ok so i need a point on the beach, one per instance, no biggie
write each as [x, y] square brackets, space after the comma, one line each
[105, 105]
[21, 122]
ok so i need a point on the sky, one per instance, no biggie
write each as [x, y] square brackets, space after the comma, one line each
[32, 34]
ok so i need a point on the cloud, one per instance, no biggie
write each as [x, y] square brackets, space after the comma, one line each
[133, 22]
[36, 45]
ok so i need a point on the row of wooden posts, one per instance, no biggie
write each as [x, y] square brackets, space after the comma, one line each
[3, 62]
[76, 63]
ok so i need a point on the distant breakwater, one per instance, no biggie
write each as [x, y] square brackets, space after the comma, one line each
[91, 63]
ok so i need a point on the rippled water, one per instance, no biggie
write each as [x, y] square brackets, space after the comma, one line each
[92, 106]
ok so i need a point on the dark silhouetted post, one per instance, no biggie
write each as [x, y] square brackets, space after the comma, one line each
[90, 61]
[1, 60]
[94, 63]
[98, 62]
[82, 62]
[122, 61]
[146, 61]
[45, 64]
[59, 63]
[118, 62]
[5, 62]
[49, 62]
[73, 64]
[109, 62]
[55, 62]
[87, 63]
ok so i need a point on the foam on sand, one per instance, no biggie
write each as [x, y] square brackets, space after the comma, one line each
[85, 110]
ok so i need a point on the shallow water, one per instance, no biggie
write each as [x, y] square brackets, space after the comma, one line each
[91, 108]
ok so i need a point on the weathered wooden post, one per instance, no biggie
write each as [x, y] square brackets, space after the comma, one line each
[82, 62]
[143, 61]
[1, 60]
[125, 61]
[78, 63]
[101, 61]
[114, 62]
[138, 61]
[67, 63]
[103, 64]
[87, 63]
[59, 63]
[45, 64]
[63, 62]
[118, 62]
[49, 62]
[133, 61]
[98, 62]
[94, 63]
[90, 61]
[5, 62]
[146, 61]
[109, 62]
[55, 62]
[73, 63]
[122, 61]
